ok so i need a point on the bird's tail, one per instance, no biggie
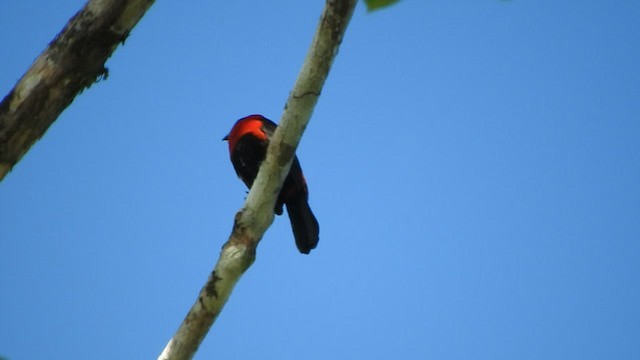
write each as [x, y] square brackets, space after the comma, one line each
[304, 224]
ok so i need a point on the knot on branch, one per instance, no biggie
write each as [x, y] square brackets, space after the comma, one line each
[210, 288]
[305, 94]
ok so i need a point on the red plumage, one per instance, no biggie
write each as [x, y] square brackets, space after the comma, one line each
[248, 142]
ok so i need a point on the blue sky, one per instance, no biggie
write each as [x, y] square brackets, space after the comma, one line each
[474, 166]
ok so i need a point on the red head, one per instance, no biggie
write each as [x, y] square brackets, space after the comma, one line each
[252, 124]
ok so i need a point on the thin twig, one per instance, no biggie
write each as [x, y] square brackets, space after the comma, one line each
[257, 214]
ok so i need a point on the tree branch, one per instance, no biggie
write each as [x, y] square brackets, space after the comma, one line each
[256, 216]
[73, 61]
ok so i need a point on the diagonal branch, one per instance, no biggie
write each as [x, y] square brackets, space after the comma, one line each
[256, 216]
[73, 61]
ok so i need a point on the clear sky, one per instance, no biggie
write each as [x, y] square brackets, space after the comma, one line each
[474, 166]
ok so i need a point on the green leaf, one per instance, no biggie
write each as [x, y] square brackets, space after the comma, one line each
[378, 4]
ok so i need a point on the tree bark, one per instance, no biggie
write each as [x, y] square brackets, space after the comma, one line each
[256, 216]
[73, 61]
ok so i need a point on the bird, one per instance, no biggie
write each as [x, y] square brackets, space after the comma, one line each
[248, 141]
